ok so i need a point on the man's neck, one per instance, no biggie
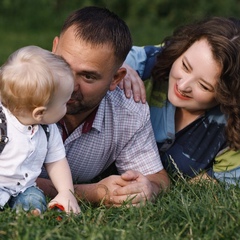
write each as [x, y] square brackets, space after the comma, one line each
[73, 121]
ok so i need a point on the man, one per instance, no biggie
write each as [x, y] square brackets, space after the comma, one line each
[102, 126]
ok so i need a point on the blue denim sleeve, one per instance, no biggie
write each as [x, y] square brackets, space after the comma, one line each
[136, 58]
[151, 53]
[142, 59]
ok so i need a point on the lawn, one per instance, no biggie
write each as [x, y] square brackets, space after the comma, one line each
[200, 211]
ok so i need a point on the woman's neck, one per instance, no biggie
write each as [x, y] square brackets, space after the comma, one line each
[184, 117]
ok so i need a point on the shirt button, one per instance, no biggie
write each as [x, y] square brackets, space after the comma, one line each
[29, 127]
[26, 175]
[18, 183]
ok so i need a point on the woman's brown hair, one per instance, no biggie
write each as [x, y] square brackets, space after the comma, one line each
[223, 35]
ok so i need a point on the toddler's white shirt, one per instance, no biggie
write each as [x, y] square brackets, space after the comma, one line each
[22, 158]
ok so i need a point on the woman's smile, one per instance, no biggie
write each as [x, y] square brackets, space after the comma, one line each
[180, 94]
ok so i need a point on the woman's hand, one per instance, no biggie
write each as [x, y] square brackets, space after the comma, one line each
[133, 84]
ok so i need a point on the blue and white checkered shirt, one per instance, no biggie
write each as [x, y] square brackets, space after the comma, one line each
[121, 132]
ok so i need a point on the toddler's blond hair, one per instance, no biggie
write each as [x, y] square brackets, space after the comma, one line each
[29, 78]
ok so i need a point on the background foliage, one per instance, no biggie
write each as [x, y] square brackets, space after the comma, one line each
[36, 22]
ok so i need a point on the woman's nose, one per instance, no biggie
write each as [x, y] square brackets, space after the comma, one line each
[184, 84]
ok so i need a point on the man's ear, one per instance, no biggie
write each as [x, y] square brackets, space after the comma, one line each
[38, 113]
[55, 44]
[121, 73]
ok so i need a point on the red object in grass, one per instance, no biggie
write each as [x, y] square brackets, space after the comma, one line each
[59, 208]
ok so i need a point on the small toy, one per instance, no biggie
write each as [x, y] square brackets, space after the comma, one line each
[58, 208]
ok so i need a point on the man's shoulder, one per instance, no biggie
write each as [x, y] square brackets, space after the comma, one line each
[119, 101]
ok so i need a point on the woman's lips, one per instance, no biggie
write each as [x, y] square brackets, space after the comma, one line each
[180, 94]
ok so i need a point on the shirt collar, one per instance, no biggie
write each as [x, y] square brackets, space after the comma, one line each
[87, 126]
[94, 120]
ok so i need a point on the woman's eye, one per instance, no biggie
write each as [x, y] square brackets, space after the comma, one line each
[204, 87]
[184, 66]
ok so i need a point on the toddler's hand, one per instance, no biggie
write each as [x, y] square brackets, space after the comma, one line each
[67, 200]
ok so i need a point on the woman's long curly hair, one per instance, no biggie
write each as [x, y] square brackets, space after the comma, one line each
[223, 35]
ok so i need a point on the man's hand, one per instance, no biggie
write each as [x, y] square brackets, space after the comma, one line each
[132, 83]
[135, 189]
[131, 188]
[136, 192]
[140, 188]
[107, 187]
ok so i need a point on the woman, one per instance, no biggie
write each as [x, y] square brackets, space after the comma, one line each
[195, 98]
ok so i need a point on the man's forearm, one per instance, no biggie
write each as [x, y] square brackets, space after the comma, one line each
[160, 181]
[93, 193]
[47, 187]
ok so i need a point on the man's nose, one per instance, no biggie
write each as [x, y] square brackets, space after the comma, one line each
[76, 86]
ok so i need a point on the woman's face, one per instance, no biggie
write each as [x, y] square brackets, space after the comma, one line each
[193, 78]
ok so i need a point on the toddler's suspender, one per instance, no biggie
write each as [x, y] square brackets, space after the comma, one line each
[46, 130]
[3, 130]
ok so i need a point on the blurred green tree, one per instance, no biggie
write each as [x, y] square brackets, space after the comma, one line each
[24, 22]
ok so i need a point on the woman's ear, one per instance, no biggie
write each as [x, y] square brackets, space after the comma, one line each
[38, 113]
[121, 73]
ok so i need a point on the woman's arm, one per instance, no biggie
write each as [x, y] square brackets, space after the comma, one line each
[143, 59]
[139, 64]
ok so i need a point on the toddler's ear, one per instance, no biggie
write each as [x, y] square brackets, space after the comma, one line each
[38, 113]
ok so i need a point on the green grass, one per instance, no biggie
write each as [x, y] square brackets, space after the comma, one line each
[200, 211]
